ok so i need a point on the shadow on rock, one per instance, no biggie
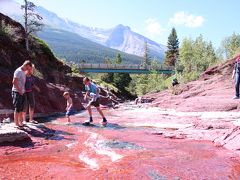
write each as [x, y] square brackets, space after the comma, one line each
[25, 143]
[42, 131]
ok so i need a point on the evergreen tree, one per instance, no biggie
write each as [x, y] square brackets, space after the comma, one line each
[146, 59]
[173, 49]
[121, 80]
[107, 77]
[118, 59]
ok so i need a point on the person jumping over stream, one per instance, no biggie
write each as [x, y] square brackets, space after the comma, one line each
[92, 92]
[236, 74]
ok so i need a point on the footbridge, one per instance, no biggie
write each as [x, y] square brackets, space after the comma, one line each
[126, 68]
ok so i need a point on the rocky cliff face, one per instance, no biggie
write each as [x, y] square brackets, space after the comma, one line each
[52, 76]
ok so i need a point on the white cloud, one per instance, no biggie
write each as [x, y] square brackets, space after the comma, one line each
[186, 19]
[153, 27]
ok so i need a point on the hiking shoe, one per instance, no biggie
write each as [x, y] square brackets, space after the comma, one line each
[88, 122]
[104, 122]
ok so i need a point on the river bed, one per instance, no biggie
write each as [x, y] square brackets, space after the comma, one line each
[130, 147]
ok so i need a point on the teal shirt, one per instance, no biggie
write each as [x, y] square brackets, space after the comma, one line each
[92, 88]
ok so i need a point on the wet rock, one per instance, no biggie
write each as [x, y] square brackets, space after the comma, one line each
[10, 133]
[154, 175]
[119, 145]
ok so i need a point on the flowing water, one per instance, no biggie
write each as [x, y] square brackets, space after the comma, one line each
[122, 150]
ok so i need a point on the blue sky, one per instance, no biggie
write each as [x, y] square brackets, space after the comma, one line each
[215, 19]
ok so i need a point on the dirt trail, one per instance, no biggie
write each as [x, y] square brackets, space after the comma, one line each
[131, 147]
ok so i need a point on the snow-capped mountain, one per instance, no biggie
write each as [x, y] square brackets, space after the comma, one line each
[120, 37]
[124, 39]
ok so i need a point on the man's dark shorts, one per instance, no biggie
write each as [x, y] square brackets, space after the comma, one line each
[96, 103]
[18, 101]
[29, 101]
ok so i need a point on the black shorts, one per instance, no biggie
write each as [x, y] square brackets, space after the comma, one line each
[29, 101]
[18, 101]
[95, 103]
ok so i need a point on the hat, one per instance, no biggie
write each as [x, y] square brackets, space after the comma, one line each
[65, 93]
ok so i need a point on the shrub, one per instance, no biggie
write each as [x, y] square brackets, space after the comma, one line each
[9, 31]
[42, 46]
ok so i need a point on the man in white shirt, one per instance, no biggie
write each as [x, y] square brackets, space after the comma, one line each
[18, 90]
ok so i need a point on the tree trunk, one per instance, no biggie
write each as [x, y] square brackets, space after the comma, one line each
[26, 25]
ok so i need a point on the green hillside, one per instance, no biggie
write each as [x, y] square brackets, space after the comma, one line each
[75, 48]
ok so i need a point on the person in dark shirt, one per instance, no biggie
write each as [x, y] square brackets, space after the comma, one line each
[29, 95]
[175, 82]
[236, 75]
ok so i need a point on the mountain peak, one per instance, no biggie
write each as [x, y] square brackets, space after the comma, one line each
[122, 27]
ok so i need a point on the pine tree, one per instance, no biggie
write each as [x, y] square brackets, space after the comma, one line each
[146, 59]
[31, 20]
[173, 49]
[118, 59]
[107, 77]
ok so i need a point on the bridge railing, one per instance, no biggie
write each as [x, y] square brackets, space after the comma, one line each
[123, 66]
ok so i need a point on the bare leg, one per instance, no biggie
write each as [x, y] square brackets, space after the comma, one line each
[20, 119]
[68, 118]
[24, 116]
[31, 112]
[16, 115]
[89, 110]
[100, 112]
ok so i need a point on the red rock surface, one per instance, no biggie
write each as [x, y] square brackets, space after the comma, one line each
[212, 92]
[123, 150]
